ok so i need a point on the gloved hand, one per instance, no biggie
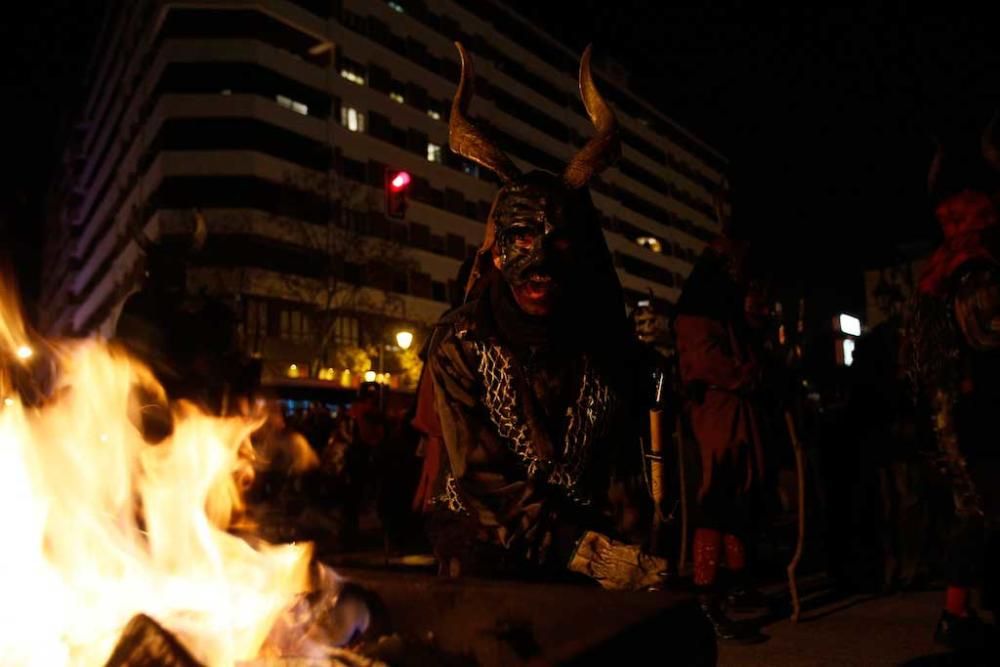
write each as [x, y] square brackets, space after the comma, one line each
[616, 565]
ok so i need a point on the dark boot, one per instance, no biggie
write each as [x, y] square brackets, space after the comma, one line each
[726, 629]
[741, 596]
[746, 599]
[961, 633]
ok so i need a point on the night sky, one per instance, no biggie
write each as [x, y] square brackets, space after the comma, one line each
[826, 115]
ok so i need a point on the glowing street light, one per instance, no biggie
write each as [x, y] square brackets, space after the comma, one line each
[25, 352]
[404, 339]
[370, 376]
[850, 325]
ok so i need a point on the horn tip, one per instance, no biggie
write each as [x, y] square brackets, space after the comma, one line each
[585, 58]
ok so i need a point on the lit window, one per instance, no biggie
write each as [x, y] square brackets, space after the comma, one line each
[352, 76]
[651, 243]
[289, 103]
[850, 325]
[848, 351]
[436, 115]
[352, 119]
[396, 6]
[397, 96]
[433, 153]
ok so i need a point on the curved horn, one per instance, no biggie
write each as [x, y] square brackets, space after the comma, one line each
[468, 140]
[990, 146]
[605, 147]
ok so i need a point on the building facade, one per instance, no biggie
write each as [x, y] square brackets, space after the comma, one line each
[272, 124]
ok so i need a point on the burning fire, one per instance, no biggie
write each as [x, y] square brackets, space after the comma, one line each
[100, 525]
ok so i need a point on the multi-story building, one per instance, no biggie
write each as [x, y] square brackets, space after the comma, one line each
[273, 122]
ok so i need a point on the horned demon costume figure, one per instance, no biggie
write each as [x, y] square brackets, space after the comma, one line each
[530, 382]
[954, 339]
[720, 373]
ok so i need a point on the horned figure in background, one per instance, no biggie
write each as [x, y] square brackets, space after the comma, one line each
[534, 377]
[720, 370]
[953, 340]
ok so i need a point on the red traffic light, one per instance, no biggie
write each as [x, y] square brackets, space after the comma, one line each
[400, 180]
[396, 183]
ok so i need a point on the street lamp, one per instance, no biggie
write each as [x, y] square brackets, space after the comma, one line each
[25, 352]
[404, 339]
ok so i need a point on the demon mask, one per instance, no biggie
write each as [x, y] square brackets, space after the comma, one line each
[541, 225]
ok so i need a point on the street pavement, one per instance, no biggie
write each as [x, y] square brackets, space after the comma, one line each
[858, 630]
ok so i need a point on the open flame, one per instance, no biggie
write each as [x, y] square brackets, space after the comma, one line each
[100, 525]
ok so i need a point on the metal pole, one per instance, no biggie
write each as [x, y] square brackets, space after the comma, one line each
[381, 371]
[682, 478]
[800, 476]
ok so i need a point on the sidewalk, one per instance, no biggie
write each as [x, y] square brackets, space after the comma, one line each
[858, 630]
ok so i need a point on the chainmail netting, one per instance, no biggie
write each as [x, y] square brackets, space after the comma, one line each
[587, 419]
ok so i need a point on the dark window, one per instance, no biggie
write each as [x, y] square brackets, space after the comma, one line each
[318, 7]
[416, 96]
[355, 170]
[484, 211]
[420, 285]
[420, 236]
[641, 145]
[236, 23]
[416, 142]
[379, 276]
[379, 79]
[455, 245]
[179, 134]
[187, 192]
[376, 174]
[379, 126]
[643, 176]
[378, 30]
[235, 250]
[400, 234]
[378, 226]
[240, 78]
[355, 221]
[454, 201]
[439, 291]
[530, 115]
[352, 273]
[353, 21]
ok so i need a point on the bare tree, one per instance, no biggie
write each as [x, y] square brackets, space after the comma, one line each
[357, 261]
